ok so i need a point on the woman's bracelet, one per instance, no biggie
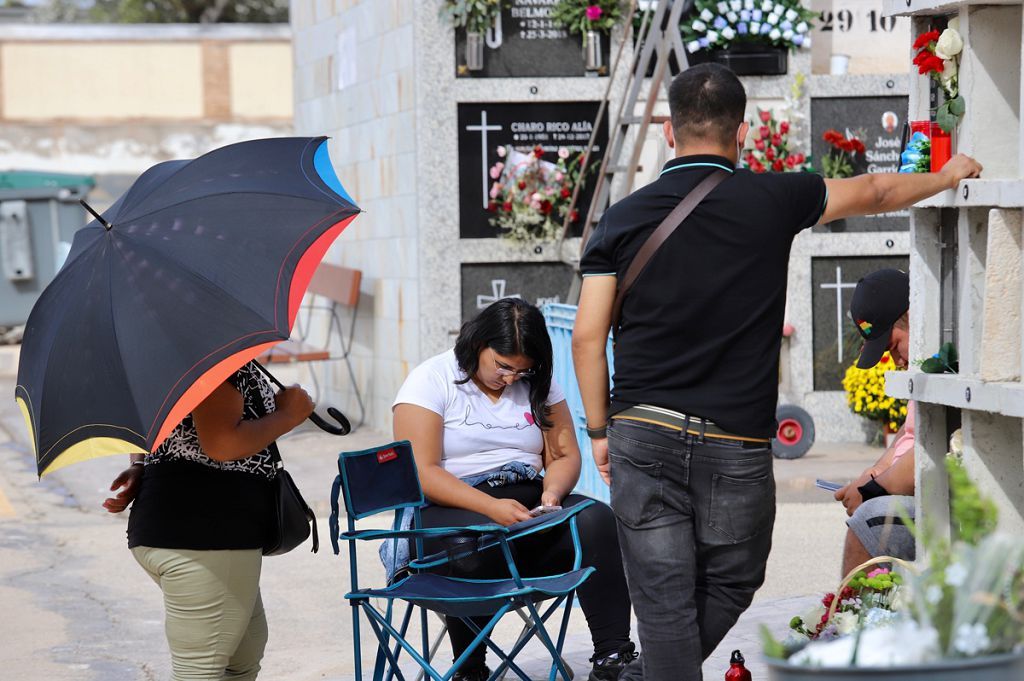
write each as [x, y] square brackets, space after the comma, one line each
[597, 433]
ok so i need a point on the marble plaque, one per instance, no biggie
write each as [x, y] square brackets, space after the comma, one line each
[538, 283]
[526, 43]
[836, 342]
[485, 127]
[878, 122]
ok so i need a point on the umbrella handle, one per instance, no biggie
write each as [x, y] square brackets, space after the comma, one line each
[343, 427]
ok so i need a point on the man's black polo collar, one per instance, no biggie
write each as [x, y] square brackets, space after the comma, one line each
[697, 162]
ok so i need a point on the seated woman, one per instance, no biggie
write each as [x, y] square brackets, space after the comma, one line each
[485, 419]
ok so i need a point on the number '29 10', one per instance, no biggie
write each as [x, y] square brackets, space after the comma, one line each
[842, 21]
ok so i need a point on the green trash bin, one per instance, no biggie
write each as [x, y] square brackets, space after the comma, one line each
[39, 215]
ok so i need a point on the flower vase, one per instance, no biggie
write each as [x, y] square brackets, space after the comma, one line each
[745, 59]
[474, 51]
[592, 56]
[1008, 667]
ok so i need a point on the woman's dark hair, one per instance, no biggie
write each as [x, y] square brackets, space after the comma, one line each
[510, 327]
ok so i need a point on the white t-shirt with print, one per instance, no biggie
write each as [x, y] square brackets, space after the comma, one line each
[479, 435]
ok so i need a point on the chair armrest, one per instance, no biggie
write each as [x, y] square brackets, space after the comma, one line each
[546, 521]
[427, 532]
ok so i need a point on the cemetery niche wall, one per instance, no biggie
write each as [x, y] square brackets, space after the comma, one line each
[525, 42]
[877, 122]
[836, 342]
[536, 282]
[482, 128]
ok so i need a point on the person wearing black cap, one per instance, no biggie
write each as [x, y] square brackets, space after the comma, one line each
[684, 435]
[882, 498]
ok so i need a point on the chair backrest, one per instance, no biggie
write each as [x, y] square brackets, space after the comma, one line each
[340, 284]
[380, 479]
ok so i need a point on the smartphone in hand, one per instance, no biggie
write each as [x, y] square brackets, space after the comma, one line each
[827, 485]
[541, 510]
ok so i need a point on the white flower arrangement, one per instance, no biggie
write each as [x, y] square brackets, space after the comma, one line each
[719, 24]
[966, 601]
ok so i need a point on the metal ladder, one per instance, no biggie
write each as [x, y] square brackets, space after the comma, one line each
[615, 176]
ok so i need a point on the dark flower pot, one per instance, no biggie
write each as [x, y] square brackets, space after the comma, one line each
[747, 60]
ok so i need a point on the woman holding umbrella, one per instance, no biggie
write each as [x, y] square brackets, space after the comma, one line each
[201, 518]
[144, 344]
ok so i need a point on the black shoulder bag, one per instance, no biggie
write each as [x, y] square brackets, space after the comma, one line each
[293, 517]
[658, 237]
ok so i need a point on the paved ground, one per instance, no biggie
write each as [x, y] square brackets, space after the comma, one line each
[76, 606]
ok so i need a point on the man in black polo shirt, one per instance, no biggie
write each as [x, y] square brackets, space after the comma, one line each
[687, 448]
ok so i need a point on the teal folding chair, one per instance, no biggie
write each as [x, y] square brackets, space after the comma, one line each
[384, 479]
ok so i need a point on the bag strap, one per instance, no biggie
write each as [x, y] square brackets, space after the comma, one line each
[659, 236]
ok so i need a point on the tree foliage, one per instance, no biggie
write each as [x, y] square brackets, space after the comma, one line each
[166, 11]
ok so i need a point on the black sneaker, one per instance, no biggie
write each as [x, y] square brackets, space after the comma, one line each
[472, 674]
[608, 668]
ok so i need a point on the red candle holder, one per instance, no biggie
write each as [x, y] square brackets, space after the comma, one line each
[941, 143]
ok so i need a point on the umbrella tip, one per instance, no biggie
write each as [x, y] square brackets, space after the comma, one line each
[95, 214]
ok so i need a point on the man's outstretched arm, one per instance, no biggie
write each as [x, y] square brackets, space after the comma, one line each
[589, 343]
[884, 192]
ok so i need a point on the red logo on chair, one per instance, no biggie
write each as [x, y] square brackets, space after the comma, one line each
[385, 455]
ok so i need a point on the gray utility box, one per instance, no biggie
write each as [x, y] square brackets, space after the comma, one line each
[39, 215]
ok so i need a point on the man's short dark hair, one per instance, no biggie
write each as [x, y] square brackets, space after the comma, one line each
[707, 103]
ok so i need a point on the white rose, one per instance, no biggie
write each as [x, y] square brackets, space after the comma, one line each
[699, 26]
[723, 7]
[692, 46]
[949, 71]
[748, 4]
[802, 27]
[707, 15]
[755, 28]
[949, 44]
[787, 35]
[728, 33]
[772, 19]
[791, 14]
[712, 37]
[775, 34]
[732, 17]
[736, 5]
[767, 6]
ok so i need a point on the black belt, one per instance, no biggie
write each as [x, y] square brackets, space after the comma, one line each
[692, 425]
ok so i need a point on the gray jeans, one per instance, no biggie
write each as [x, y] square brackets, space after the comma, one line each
[695, 527]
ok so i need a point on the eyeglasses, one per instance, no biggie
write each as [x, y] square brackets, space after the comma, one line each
[509, 371]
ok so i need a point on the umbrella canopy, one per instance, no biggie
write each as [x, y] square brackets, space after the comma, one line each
[196, 270]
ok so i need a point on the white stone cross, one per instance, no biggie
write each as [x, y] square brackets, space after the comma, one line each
[482, 129]
[497, 293]
[839, 286]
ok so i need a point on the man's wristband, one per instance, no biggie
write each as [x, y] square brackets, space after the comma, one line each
[872, 489]
[597, 433]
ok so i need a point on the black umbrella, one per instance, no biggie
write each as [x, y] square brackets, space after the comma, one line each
[196, 270]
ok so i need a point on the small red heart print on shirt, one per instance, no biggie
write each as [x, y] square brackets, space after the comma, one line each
[529, 417]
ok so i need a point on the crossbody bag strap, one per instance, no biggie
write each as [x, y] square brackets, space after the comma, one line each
[659, 236]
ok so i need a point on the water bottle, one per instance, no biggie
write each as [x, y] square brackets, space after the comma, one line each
[737, 672]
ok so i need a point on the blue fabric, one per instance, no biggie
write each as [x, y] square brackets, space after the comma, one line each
[380, 479]
[325, 169]
[473, 597]
[395, 554]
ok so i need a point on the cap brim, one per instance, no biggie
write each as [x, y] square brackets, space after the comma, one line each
[873, 350]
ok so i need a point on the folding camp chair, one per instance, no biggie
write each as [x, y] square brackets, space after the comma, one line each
[384, 479]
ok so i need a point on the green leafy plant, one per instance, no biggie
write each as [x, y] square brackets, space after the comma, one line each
[476, 16]
[580, 16]
[945, 361]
